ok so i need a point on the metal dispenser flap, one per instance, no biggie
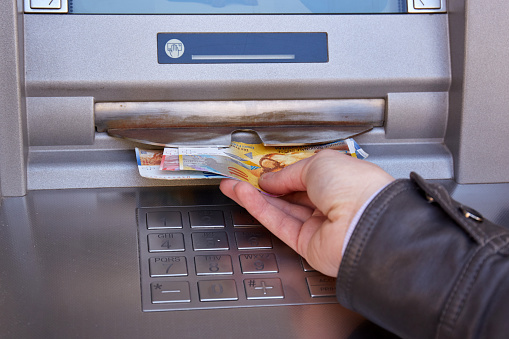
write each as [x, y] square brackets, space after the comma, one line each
[221, 137]
[276, 122]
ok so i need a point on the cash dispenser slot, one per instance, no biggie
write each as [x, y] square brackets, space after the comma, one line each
[276, 122]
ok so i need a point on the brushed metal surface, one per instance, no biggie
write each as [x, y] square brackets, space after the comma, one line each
[222, 136]
[213, 252]
[276, 122]
[70, 269]
[254, 113]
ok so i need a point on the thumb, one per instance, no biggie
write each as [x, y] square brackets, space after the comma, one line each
[287, 180]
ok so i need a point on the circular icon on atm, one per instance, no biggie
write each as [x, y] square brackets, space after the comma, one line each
[174, 48]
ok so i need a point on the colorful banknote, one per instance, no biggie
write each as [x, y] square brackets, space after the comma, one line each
[273, 158]
[216, 160]
[247, 162]
[149, 162]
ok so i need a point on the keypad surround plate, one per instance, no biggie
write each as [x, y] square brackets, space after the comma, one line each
[273, 266]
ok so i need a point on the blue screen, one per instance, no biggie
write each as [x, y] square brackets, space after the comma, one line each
[236, 6]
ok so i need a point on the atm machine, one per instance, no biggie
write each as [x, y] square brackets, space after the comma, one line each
[90, 249]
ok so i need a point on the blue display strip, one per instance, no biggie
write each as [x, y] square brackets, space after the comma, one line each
[236, 6]
[213, 48]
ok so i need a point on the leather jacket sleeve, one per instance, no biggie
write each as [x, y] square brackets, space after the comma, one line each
[422, 265]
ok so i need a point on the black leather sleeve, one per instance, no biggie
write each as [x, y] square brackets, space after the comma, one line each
[423, 266]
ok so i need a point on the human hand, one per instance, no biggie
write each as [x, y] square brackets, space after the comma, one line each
[320, 197]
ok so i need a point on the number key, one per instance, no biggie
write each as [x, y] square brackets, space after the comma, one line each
[166, 242]
[258, 263]
[213, 264]
[168, 266]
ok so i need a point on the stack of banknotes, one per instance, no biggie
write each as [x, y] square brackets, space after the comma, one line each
[240, 160]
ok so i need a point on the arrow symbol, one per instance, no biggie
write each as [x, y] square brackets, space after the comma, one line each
[249, 155]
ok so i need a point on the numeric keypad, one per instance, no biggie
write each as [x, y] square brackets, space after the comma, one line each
[196, 257]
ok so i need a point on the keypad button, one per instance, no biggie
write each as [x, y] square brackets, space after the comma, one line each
[217, 290]
[166, 242]
[253, 240]
[45, 4]
[263, 289]
[427, 4]
[306, 266]
[170, 292]
[168, 266]
[213, 264]
[321, 286]
[162, 220]
[206, 219]
[210, 241]
[241, 218]
[258, 263]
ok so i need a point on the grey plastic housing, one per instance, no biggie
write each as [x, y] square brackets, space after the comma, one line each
[114, 58]
[61, 121]
[417, 63]
[416, 115]
[13, 128]
[478, 117]
[397, 58]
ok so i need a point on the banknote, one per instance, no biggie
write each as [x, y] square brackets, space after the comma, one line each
[149, 162]
[273, 158]
[217, 160]
[248, 162]
[170, 159]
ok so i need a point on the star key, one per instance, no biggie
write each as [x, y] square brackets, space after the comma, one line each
[170, 292]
